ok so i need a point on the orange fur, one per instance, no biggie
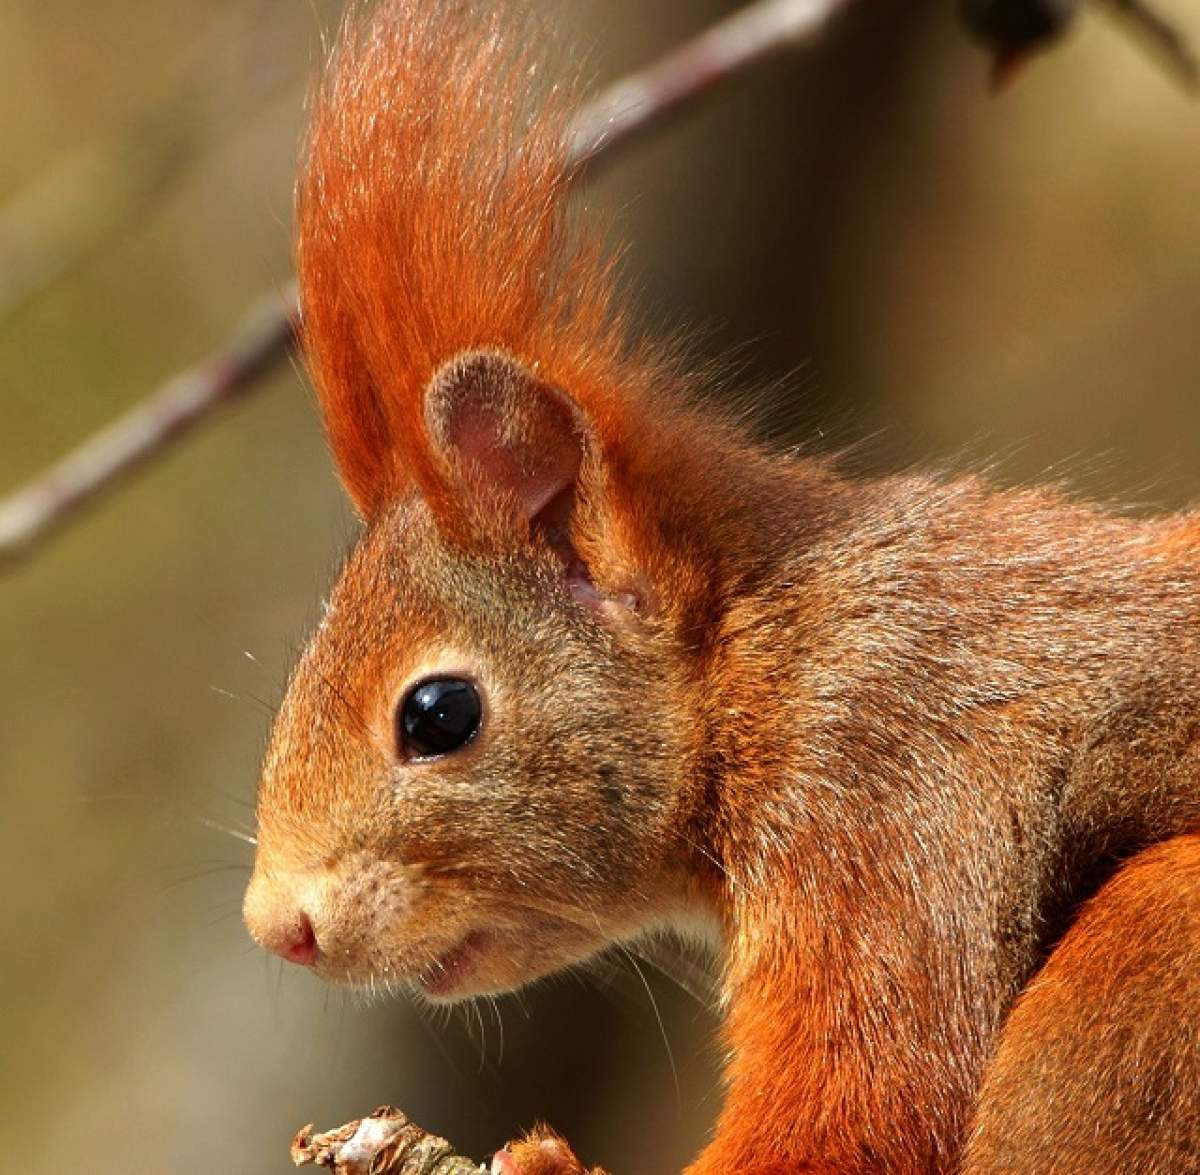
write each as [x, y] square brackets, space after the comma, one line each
[887, 735]
[432, 220]
[1096, 1066]
[541, 1152]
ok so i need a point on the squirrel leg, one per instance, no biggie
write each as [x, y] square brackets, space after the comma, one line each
[540, 1152]
[1098, 1067]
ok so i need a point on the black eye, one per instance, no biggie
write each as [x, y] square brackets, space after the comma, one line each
[439, 716]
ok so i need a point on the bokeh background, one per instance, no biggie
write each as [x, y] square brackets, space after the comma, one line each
[938, 276]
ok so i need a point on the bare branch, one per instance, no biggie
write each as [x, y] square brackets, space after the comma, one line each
[383, 1143]
[1163, 38]
[265, 340]
[386, 1142]
[731, 46]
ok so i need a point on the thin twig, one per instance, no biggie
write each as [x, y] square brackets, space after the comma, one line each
[266, 339]
[1163, 38]
[383, 1143]
[262, 340]
[387, 1142]
[729, 47]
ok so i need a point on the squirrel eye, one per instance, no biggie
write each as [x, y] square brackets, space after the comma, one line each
[438, 716]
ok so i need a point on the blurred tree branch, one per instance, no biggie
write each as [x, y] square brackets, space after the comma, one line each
[100, 193]
[1015, 28]
[642, 99]
[383, 1143]
[266, 338]
[1163, 38]
[386, 1142]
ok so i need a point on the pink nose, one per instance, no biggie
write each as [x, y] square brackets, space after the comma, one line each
[298, 943]
[280, 925]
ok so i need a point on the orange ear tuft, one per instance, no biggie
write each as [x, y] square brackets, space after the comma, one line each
[432, 222]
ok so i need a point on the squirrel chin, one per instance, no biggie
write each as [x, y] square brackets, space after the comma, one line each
[442, 978]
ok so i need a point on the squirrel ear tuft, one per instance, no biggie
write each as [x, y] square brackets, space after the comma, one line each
[508, 435]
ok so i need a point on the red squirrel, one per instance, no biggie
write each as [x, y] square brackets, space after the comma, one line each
[923, 756]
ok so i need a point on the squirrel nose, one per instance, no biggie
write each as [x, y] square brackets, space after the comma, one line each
[298, 944]
[278, 925]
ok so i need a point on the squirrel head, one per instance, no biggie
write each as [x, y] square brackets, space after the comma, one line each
[475, 775]
[479, 772]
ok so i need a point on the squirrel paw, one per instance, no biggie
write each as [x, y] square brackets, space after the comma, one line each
[541, 1152]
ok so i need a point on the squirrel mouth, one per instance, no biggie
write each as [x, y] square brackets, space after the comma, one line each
[442, 977]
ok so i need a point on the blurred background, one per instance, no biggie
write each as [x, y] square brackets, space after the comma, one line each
[937, 275]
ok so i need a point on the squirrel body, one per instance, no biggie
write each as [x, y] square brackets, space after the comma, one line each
[927, 753]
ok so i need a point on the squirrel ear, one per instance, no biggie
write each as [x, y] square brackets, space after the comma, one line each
[509, 435]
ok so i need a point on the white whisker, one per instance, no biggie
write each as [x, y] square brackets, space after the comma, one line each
[662, 1028]
[237, 834]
